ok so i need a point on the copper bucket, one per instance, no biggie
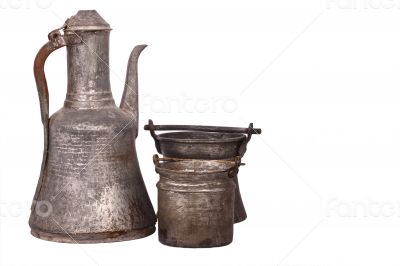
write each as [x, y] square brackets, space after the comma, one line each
[195, 202]
[207, 143]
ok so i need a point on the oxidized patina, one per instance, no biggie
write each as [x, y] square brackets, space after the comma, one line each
[90, 187]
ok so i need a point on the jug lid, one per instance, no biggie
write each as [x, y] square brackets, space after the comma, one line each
[86, 20]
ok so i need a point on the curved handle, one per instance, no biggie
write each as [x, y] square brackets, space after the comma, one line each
[241, 130]
[56, 41]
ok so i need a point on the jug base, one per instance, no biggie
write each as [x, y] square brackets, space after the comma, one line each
[91, 238]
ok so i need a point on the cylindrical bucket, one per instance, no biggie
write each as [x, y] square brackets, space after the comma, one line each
[205, 142]
[195, 202]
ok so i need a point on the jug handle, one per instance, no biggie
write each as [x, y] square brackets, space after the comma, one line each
[241, 130]
[56, 41]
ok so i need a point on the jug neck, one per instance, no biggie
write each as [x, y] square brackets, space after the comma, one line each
[88, 72]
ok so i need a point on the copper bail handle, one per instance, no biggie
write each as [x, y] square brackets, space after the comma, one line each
[250, 130]
[242, 130]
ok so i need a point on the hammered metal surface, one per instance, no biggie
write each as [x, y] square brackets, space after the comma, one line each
[91, 182]
[195, 203]
[206, 145]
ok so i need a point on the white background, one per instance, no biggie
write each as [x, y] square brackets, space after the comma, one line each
[321, 78]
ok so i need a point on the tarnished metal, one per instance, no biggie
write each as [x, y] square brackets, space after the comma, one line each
[195, 202]
[205, 142]
[90, 187]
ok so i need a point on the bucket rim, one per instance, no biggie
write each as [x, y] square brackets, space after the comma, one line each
[231, 137]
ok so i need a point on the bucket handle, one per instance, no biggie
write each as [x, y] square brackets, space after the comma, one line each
[231, 171]
[250, 130]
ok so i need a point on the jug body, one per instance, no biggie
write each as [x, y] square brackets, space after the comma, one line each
[92, 181]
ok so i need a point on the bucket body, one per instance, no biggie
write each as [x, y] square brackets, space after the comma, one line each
[195, 203]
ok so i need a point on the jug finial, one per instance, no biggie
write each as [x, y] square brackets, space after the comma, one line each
[87, 20]
[129, 101]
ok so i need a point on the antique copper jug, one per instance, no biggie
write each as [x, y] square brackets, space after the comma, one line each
[90, 187]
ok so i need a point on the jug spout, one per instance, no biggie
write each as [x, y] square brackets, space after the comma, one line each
[129, 101]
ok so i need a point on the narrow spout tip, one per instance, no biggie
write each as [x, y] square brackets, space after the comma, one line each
[136, 52]
[139, 47]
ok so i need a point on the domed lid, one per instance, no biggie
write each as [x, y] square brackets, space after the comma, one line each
[87, 20]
